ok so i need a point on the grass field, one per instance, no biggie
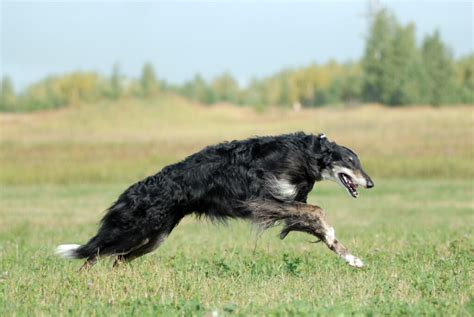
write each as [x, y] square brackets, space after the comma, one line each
[60, 170]
[128, 140]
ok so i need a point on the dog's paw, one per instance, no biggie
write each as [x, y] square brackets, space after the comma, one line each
[353, 261]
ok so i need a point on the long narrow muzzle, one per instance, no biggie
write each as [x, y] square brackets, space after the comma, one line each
[369, 183]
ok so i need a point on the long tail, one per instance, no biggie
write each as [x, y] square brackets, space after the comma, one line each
[68, 251]
[76, 251]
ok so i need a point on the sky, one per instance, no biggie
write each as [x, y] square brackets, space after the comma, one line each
[249, 39]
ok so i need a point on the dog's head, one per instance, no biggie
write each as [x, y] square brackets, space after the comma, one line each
[340, 164]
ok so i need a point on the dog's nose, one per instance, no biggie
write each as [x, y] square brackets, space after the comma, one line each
[370, 183]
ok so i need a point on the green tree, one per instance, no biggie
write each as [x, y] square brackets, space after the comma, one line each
[350, 84]
[148, 81]
[198, 89]
[7, 95]
[392, 66]
[253, 94]
[406, 72]
[115, 82]
[439, 70]
[465, 79]
[376, 60]
[284, 96]
[226, 88]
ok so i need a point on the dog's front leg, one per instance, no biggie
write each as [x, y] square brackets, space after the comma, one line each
[302, 217]
[336, 246]
[313, 220]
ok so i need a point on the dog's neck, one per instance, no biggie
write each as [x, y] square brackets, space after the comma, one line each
[316, 151]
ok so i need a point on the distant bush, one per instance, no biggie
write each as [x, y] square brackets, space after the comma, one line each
[148, 81]
[53, 92]
[464, 81]
[7, 95]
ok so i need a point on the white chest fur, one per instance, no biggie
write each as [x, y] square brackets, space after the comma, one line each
[281, 188]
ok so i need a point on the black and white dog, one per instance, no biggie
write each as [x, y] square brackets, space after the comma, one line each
[263, 179]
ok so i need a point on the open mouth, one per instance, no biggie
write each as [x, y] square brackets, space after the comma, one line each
[346, 180]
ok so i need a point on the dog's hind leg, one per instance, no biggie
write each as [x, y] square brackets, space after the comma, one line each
[153, 241]
[302, 217]
[150, 246]
[88, 263]
[123, 256]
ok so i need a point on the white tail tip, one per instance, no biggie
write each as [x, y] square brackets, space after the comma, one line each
[67, 251]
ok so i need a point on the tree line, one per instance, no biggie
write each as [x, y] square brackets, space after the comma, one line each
[394, 70]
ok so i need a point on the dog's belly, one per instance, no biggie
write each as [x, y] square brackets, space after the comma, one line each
[221, 210]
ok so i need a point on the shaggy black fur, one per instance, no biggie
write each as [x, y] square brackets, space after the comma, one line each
[220, 181]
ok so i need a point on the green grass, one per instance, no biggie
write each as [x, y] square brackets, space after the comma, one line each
[59, 171]
[416, 238]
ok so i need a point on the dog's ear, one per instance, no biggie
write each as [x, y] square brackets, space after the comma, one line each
[323, 149]
[318, 144]
[322, 144]
[322, 136]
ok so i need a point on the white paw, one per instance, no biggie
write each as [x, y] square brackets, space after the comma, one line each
[353, 260]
